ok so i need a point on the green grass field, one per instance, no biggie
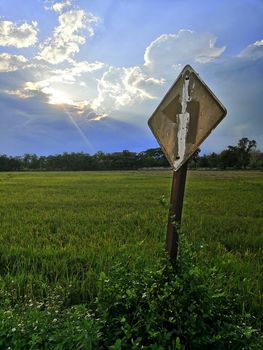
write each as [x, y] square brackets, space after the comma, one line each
[65, 228]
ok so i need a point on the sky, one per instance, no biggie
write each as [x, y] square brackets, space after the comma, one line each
[86, 75]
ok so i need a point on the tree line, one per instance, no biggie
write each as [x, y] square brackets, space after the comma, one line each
[242, 156]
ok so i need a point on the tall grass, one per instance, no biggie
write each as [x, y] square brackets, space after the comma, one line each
[63, 229]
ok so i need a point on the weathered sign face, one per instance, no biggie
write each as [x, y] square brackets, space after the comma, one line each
[185, 117]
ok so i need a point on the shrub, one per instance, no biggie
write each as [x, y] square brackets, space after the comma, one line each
[136, 307]
[167, 308]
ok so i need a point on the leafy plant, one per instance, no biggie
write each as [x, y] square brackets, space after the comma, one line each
[167, 308]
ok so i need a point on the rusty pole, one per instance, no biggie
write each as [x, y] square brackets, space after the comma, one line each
[175, 212]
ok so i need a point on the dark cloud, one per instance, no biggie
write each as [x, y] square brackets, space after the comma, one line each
[238, 84]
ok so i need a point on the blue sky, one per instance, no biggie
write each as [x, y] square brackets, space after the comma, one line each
[86, 75]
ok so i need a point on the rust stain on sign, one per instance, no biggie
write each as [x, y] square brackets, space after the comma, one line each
[185, 117]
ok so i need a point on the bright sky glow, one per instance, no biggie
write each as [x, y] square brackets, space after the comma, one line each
[57, 96]
[82, 75]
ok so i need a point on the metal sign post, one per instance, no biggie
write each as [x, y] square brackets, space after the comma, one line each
[182, 121]
[175, 211]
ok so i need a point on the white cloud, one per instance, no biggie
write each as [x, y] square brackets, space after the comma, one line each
[59, 6]
[85, 66]
[163, 58]
[65, 41]
[123, 87]
[102, 88]
[171, 51]
[10, 63]
[91, 90]
[253, 51]
[23, 35]
[67, 81]
[63, 87]
[18, 92]
[71, 74]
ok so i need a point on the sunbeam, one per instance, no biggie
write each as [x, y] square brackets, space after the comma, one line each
[81, 133]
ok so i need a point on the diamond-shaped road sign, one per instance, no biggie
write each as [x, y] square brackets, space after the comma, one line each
[185, 117]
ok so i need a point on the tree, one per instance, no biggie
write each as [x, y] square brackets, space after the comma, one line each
[204, 162]
[256, 159]
[228, 158]
[244, 148]
[194, 159]
[152, 157]
[238, 156]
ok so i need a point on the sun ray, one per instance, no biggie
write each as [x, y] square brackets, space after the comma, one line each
[80, 132]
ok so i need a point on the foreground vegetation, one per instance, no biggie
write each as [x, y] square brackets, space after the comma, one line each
[82, 262]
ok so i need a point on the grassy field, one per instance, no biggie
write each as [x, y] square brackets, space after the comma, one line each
[60, 231]
[65, 228]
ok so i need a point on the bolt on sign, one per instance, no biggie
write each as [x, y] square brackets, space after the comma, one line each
[182, 121]
[185, 117]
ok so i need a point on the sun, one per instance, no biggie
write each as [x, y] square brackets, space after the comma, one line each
[57, 97]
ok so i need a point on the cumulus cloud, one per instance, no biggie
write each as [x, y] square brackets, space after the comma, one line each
[53, 91]
[76, 70]
[59, 6]
[70, 75]
[185, 46]
[84, 110]
[253, 51]
[61, 86]
[66, 38]
[163, 58]
[10, 63]
[84, 66]
[18, 93]
[18, 35]
[49, 95]
[90, 91]
[123, 87]
[106, 88]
